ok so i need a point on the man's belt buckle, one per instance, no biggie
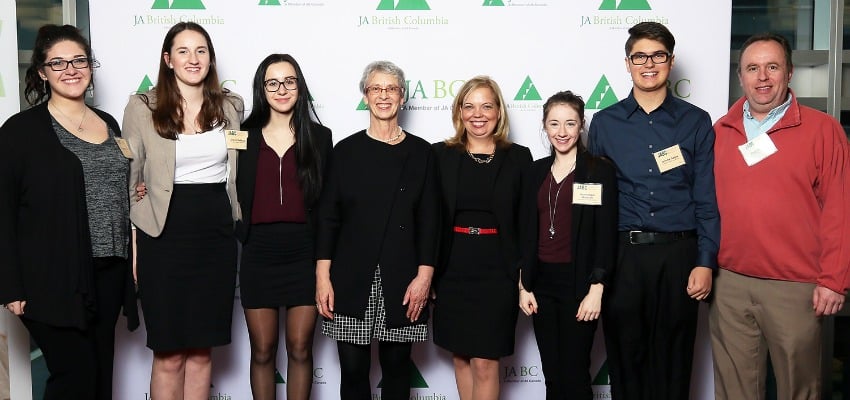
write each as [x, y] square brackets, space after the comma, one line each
[632, 237]
[474, 231]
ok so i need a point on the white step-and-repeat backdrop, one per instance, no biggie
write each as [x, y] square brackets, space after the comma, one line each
[533, 48]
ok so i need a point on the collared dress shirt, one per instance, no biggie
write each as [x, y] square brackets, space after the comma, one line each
[679, 199]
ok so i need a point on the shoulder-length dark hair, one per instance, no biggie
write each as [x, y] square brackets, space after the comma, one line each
[307, 162]
[36, 90]
[167, 112]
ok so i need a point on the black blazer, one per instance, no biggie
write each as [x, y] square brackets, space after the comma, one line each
[246, 175]
[378, 214]
[510, 162]
[594, 228]
[45, 243]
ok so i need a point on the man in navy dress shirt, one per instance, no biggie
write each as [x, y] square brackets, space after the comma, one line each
[669, 225]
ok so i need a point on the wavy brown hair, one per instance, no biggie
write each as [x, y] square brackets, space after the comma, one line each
[167, 111]
[36, 90]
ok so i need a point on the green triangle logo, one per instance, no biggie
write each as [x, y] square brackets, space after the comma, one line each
[2, 90]
[625, 5]
[494, 3]
[416, 379]
[403, 5]
[602, 377]
[362, 106]
[145, 85]
[178, 5]
[278, 378]
[269, 3]
[603, 96]
[527, 91]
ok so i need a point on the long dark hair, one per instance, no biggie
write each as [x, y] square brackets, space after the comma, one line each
[307, 162]
[167, 113]
[36, 90]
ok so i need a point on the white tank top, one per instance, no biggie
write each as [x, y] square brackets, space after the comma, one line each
[201, 158]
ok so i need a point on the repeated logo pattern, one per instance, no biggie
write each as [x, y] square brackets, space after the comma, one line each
[625, 5]
[602, 96]
[403, 5]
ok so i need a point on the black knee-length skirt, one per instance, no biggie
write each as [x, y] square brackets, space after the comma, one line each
[187, 275]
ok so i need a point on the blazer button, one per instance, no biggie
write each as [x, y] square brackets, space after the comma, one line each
[401, 227]
[401, 190]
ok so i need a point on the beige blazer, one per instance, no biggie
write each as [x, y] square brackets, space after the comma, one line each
[154, 158]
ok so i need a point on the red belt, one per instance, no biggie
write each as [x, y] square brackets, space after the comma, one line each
[471, 230]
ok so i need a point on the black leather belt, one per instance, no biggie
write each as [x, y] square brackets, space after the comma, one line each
[643, 237]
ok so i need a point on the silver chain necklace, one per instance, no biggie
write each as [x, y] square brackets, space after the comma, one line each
[553, 210]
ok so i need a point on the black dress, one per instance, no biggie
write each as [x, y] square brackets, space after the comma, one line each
[476, 306]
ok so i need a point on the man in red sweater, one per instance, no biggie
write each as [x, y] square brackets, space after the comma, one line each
[783, 191]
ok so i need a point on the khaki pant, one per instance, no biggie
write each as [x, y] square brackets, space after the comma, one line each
[751, 317]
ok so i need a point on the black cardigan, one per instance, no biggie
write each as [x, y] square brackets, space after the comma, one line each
[45, 245]
[594, 228]
[246, 175]
[510, 161]
[388, 217]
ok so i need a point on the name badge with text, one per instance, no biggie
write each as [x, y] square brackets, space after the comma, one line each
[236, 139]
[588, 194]
[669, 158]
[757, 149]
[124, 147]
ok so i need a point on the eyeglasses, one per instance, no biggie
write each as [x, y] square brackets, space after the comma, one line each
[77, 63]
[660, 57]
[273, 85]
[376, 90]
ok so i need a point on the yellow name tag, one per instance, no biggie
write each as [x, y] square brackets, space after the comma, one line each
[669, 158]
[124, 147]
[236, 139]
[589, 194]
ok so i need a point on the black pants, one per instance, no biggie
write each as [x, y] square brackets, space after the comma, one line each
[70, 357]
[564, 343]
[354, 363]
[80, 361]
[109, 274]
[650, 321]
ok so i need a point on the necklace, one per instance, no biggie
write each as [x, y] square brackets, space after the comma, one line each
[553, 210]
[482, 160]
[390, 140]
[80, 125]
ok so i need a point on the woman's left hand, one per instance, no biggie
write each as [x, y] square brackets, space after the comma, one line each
[416, 296]
[591, 306]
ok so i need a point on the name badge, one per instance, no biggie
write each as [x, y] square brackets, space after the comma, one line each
[236, 139]
[669, 158]
[757, 149]
[589, 194]
[124, 147]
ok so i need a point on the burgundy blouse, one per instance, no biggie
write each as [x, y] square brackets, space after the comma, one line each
[277, 193]
[557, 248]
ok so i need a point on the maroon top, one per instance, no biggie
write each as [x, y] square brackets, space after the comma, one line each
[277, 193]
[557, 248]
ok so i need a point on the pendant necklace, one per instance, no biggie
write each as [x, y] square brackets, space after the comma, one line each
[553, 210]
[80, 125]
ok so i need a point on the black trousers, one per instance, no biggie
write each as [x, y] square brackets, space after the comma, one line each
[650, 321]
[80, 361]
[564, 342]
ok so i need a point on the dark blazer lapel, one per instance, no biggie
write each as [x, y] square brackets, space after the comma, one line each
[501, 205]
[581, 176]
[248, 172]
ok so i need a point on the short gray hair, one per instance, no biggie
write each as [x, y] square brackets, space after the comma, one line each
[386, 67]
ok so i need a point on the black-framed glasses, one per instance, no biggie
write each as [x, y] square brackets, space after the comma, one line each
[660, 57]
[375, 90]
[77, 63]
[288, 83]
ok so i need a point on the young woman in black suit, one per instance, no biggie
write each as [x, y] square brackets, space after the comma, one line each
[480, 171]
[278, 182]
[569, 233]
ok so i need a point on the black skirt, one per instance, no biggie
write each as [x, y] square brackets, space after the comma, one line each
[187, 275]
[277, 267]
